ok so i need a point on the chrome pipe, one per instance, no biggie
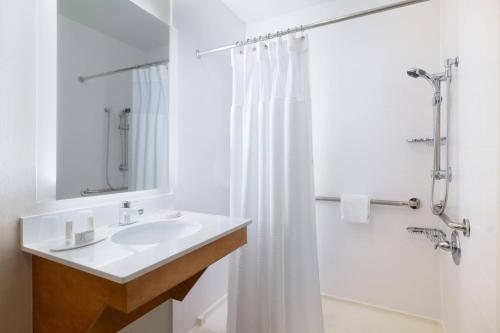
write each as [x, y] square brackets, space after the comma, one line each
[437, 131]
[413, 203]
[464, 227]
[318, 24]
[82, 79]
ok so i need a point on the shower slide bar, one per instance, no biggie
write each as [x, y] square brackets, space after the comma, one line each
[413, 203]
[303, 28]
[87, 191]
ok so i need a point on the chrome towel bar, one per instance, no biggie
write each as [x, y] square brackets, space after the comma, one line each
[413, 203]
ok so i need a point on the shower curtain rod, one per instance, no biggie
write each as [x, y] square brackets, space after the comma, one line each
[82, 79]
[302, 28]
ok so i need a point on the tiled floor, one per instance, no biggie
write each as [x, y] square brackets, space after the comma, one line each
[344, 317]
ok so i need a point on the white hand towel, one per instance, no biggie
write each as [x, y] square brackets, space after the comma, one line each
[355, 208]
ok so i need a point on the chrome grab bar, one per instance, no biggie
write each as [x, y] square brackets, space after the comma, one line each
[413, 203]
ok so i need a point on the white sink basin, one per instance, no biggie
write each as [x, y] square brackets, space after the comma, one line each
[155, 232]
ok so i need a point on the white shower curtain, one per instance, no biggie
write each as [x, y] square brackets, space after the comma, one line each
[274, 280]
[148, 160]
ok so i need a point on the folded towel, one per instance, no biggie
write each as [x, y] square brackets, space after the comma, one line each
[355, 208]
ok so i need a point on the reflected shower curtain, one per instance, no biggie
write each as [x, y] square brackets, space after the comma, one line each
[274, 279]
[148, 167]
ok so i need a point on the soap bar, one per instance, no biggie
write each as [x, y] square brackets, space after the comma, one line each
[85, 236]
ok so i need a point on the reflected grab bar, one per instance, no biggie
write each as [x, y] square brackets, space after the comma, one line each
[413, 203]
[87, 191]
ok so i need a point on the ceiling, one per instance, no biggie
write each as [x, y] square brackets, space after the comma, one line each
[258, 10]
[119, 19]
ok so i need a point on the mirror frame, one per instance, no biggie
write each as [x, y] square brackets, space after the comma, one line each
[45, 144]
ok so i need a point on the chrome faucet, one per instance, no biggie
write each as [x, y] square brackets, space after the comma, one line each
[127, 212]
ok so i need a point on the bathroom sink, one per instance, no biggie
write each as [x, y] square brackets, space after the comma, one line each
[155, 232]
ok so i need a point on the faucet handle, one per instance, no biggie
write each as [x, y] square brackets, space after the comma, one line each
[445, 245]
[128, 204]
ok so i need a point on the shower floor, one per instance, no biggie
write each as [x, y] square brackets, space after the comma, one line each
[343, 317]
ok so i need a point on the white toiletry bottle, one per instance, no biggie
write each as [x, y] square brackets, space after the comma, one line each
[127, 212]
[127, 219]
[90, 223]
[69, 231]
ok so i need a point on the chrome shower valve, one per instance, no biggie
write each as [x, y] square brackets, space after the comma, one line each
[454, 246]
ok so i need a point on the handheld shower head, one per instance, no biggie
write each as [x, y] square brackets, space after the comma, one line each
[418, 72]
[413, 72]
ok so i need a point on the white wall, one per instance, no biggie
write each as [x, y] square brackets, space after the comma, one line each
[204, 102]
[17, 172]
[364, 109]
[27, 37]
[471, 31]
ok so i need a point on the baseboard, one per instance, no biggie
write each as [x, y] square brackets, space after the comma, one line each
[200, 320]
[382, 308]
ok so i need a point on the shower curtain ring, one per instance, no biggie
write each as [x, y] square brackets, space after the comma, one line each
[239, 46]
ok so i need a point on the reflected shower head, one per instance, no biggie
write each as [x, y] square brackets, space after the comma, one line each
[418, 72]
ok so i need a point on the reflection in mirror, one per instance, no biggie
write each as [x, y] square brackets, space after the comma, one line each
[112, 98]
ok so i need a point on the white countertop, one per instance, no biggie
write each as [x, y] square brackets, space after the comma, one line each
[123, 263]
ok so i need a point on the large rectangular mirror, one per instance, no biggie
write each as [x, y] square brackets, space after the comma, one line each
[113, 99]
